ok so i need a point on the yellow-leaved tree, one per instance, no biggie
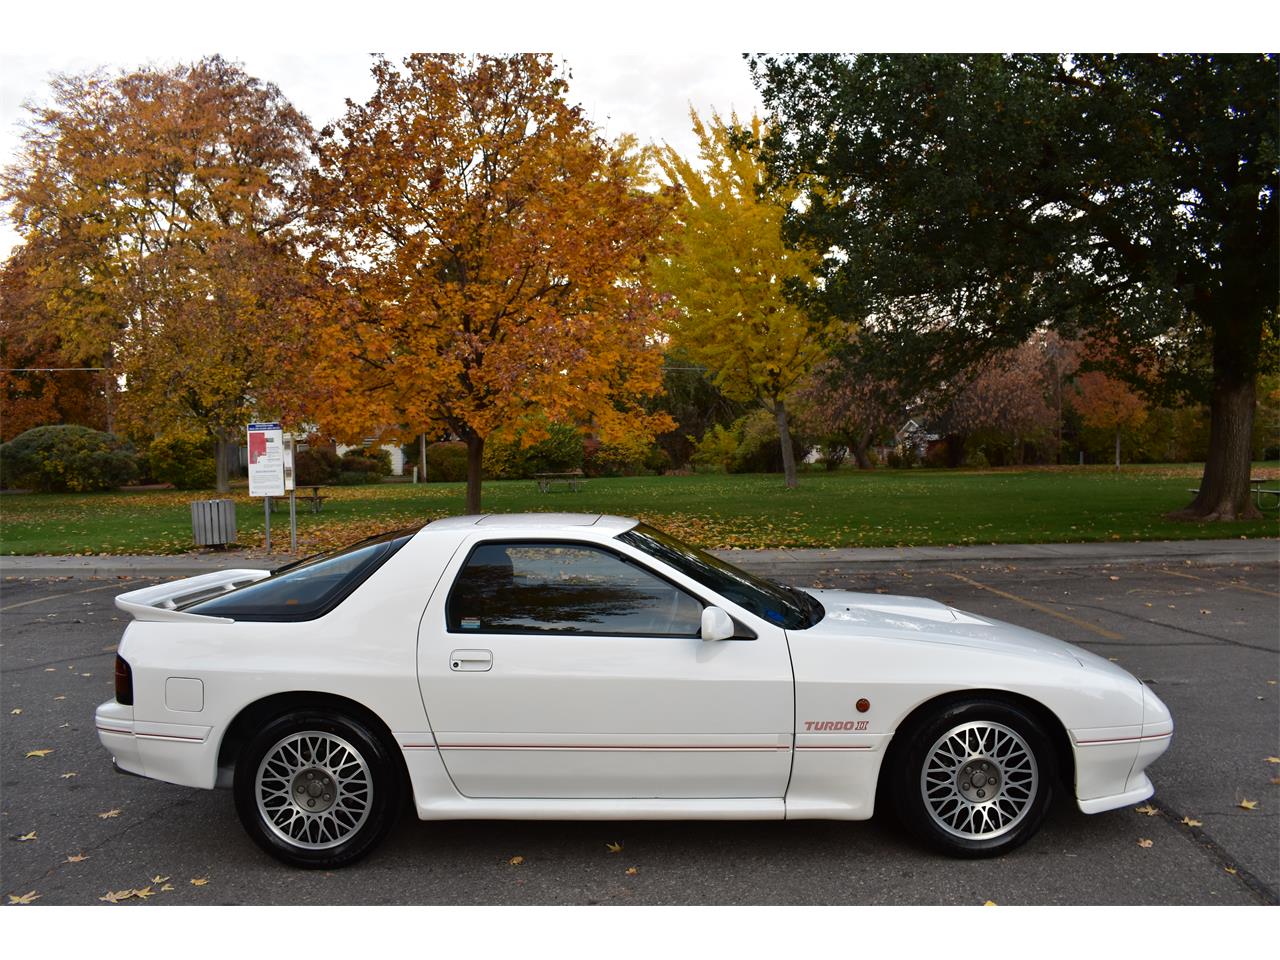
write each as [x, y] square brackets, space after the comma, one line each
[486, 253]
[730, 270]
[158, 209]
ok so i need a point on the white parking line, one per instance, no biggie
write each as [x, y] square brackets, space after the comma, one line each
[54, 596]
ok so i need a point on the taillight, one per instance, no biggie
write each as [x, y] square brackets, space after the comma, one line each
[124, 682]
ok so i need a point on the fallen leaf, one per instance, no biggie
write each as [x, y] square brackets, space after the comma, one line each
[69, 775]
[613, 847]
[991, 903]
[1188, 822]
[38, 753]
[116, 896]
[1273, 759]
[144, 893]
[59, 698]
[1113, 578]
[24, 898]
[109, 814]
[1145, 844]
[15, 711]
[1206, 611]
[1248, 804]
[159, 879]
[1230, 870]
[1148, 810]
[27, 836]
[632, 871]
[166, 888]
[1275, 779]
[77, 858]
[199, 881]
[50, 669]
[516, 861]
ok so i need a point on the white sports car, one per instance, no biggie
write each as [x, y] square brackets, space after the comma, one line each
[560, 666]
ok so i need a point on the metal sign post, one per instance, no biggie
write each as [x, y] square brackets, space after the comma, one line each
[290, 485]
[266, 467]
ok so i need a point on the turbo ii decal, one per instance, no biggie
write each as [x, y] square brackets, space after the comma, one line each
[821, 726]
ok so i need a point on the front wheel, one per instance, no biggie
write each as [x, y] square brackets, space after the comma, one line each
[316, 789]
[976, 780]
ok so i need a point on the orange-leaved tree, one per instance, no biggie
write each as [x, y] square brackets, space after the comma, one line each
[161, 203]
[486, 251]
[1106, 403]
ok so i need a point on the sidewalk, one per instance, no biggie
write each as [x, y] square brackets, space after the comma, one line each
[1061, 554]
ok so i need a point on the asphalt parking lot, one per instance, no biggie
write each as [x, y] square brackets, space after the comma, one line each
[1204, 633]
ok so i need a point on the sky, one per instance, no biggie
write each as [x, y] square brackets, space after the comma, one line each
[636, 68]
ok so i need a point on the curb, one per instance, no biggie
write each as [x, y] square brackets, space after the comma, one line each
[1209, 552]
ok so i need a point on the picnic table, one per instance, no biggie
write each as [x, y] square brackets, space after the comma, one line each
[573, 479]
[1258, 487]
[315, 499]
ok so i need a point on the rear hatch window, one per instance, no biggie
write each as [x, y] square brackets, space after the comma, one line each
[307, 589]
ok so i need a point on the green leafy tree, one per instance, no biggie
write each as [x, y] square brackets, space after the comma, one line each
[965, 201]
[730, 273]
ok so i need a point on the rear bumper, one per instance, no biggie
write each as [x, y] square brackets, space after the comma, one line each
[178, 753]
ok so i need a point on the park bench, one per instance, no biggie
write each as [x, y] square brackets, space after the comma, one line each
[573, 479]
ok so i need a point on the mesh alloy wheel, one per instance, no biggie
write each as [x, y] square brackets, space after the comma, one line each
[317, 788]
[973, 778]
[979, 780]
[314, 790]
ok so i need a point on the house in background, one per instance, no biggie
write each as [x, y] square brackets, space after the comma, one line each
[396, 451]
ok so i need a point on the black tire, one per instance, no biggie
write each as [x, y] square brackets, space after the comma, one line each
[322, 747]
[950, 815]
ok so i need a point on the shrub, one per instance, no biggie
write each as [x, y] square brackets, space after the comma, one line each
[187, 462]
[447, 461]
[716, 449]
[378, 457]
[938, 454]
[560, 451]
[904, 456]
[351, 478]
[759, 449]
[65, 457]
[316, 466]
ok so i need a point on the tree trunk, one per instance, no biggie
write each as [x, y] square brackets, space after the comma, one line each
[475, 464]
[861, 450]
[224, 449]
[1224, 488]
[422, 458]
[1117, 448]
[784, 436]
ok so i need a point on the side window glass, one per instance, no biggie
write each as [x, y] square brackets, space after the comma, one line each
[565, 588]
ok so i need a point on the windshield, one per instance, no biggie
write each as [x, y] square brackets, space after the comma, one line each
[307, 589]
[784, 606]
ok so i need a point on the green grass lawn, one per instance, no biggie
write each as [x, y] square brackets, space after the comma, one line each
[843, 509]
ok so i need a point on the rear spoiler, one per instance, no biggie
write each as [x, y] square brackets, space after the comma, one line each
[161, 601]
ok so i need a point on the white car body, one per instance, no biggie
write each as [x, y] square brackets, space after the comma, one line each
[554, 726]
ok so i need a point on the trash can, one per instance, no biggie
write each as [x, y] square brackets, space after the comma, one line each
[213, 522]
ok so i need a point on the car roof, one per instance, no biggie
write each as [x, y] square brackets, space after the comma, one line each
[526, 522]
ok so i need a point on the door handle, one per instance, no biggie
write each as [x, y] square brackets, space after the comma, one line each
[477, 660]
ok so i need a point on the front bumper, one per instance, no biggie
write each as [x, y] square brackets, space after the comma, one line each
[1111, 762]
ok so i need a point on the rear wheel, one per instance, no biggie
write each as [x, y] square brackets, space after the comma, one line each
[316, 789]
[976, 779]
